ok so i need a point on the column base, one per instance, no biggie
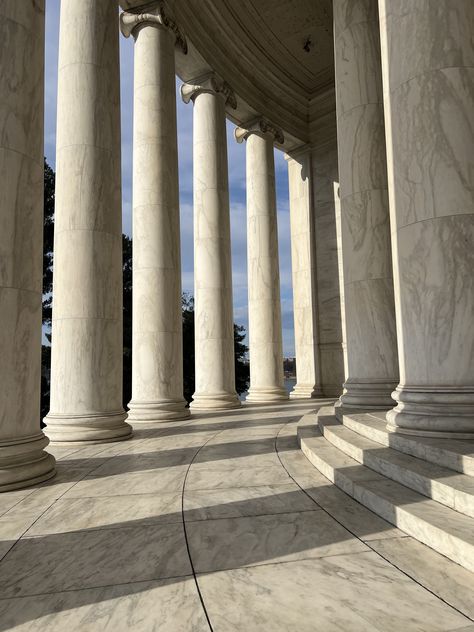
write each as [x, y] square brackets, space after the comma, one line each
[23, 462]
[258, 395]
[366, 395]
[87, 429]
[430, 411]
[306, 391]
[162, 410]
[215, 401]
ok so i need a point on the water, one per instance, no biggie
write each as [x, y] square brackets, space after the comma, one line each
[289, 385]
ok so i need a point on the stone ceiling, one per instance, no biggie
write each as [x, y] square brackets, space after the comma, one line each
[276, 54]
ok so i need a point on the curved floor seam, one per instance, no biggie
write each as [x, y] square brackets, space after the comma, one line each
[367, 544]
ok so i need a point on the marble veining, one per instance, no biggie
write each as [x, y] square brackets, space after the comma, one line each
[86, 357]
[23, 460]
[368, 304]
[102, 547]
[430, 178]
[214, 332]
[265, 328]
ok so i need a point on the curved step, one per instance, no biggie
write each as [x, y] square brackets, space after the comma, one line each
[443, 529]
[439, 483]
[455, 454]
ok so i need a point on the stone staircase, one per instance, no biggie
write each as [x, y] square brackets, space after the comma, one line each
[423, 486]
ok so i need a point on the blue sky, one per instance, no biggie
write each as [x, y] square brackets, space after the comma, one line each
[236, 155]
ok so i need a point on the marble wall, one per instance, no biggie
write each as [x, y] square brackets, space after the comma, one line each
[22, 458]
[428, 80]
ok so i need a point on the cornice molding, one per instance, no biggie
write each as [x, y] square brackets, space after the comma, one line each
[299, 152]
[210, 83]
[261, 127]
[153, 14]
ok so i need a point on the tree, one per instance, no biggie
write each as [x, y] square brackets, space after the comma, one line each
[242, 374]
[127, 319]
[48, 240]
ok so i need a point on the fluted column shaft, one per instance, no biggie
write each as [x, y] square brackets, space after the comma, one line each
[265, 331]
[304, 273]
[369, 312]
[23, 460]
[86, 362]
[428, 75]
[157, 354]
[214, 329]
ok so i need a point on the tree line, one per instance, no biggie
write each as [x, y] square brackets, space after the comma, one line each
[240, 349]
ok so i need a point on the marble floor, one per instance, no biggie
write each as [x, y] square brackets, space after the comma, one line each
[216, 523]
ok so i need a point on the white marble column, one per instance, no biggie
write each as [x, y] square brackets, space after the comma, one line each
[369, 312]
[265, 332]
[157, 360]
[428, 76]
[23, 460]
[304, 273]
[213, 313]
[86, 362]
[330, 289]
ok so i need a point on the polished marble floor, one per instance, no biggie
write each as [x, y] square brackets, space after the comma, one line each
[218, 523]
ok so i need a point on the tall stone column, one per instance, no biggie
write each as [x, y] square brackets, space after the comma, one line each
[86, 362]
[265, 333]
[428, 76]
[214, 323]
[23, 460]
[330, 288]
[304, 275]
[157, 361]
[369, 312]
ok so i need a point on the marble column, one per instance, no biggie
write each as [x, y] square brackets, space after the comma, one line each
[428, 78]
[157, 361]
[325, 186]
[214, 324]
[23, 460]
[265, 332]
[369, 312]
[304, 273]
[86, 362]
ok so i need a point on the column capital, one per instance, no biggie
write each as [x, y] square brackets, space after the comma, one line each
[210, 83]
[155, 15]
[261, 127]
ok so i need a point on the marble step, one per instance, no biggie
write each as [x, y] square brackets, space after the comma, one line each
[439, 527]
[455, 454]
[439, 483]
